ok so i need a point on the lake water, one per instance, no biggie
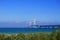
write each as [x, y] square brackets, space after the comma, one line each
[26, 30]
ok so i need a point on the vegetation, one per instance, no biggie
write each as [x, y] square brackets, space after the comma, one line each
[55, 35]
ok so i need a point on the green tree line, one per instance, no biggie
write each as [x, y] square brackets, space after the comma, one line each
[55, 35]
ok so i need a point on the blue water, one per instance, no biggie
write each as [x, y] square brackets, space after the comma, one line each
[26, 30]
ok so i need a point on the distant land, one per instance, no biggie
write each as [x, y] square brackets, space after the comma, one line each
[24, 24]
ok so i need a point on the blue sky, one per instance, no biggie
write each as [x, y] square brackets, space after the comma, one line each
[24, 10]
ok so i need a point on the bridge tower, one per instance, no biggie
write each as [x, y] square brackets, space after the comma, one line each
[32, 23]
